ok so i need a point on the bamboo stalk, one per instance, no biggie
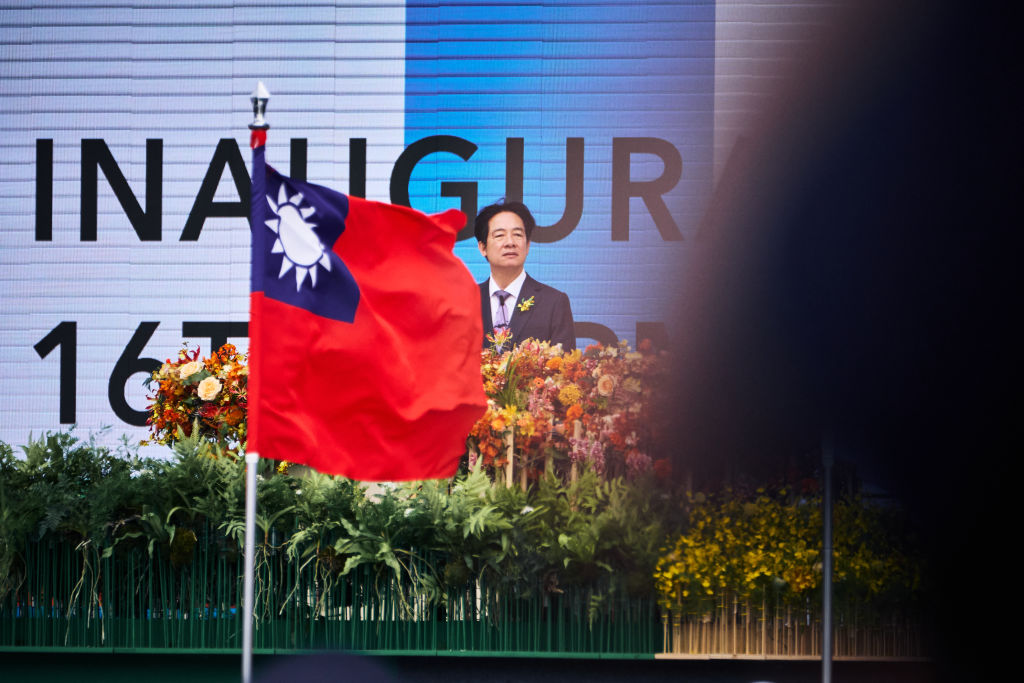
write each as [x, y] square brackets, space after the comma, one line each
[577, 434]
[764, 626]
[775, 629]
[732, 623]
[510, 456]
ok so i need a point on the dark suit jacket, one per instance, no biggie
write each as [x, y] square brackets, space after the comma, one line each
[548, 319]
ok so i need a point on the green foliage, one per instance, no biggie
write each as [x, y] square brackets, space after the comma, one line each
[10, 524]
[594, 529]
[434, 538]
[437, 539]
[63, 487]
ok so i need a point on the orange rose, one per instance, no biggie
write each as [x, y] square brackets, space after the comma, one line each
[189, 369]
[209, 388]
[606, 385]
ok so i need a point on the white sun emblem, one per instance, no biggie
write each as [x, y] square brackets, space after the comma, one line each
[302, 249]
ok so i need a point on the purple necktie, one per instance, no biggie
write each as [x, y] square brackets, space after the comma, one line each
[502, 319]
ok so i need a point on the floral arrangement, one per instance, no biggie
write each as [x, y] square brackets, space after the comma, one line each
[568, 410]
[596, 409]
[208, 394]
[770, 544]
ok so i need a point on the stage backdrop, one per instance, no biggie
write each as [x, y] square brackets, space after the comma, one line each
[124, 160]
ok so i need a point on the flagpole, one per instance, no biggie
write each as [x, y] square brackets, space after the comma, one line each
[251, 459]
[259, 127]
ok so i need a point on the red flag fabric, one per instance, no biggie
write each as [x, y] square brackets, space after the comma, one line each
[380, 382]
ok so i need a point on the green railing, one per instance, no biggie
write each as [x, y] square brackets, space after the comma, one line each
[71, 597]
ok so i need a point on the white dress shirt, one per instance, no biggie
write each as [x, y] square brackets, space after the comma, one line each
[513, 288]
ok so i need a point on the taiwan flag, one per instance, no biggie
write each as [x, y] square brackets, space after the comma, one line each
[364, 333]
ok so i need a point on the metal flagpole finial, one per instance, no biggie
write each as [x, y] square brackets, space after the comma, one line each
[259, 99]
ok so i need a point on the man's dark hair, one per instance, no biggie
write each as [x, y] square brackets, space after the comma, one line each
[488, 212]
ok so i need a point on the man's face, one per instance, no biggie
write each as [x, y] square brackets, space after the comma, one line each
[507, 245]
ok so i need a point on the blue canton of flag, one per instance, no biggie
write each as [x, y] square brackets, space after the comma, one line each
[295, 225]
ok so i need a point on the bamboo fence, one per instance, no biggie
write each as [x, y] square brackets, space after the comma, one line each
[73, 597]
[738, 628]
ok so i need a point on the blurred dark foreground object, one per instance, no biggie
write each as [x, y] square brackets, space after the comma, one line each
[859, 273]
[326, 667]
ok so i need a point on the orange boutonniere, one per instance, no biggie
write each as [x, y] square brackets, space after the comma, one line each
[526, 304]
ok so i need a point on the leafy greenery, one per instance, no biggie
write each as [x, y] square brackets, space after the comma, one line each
[607, 535]
[435, 536]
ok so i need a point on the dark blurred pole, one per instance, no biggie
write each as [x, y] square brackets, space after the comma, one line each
[827, 457]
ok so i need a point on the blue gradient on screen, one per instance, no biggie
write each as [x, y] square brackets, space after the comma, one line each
[555, 70]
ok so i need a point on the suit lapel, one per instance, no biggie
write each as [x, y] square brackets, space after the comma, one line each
[485, 309]
[520, 318]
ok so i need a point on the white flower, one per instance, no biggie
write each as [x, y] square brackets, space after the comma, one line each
[526, 510]
[189, 369]
[209, 388]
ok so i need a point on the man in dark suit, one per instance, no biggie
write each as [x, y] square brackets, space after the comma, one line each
[511, 299]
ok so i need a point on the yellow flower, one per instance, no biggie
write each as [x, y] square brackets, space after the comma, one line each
[526, 424]
[570, 395]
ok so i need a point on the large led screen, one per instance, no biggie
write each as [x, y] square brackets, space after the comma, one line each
[124, 163]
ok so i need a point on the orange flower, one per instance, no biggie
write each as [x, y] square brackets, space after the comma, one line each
[574, 413]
